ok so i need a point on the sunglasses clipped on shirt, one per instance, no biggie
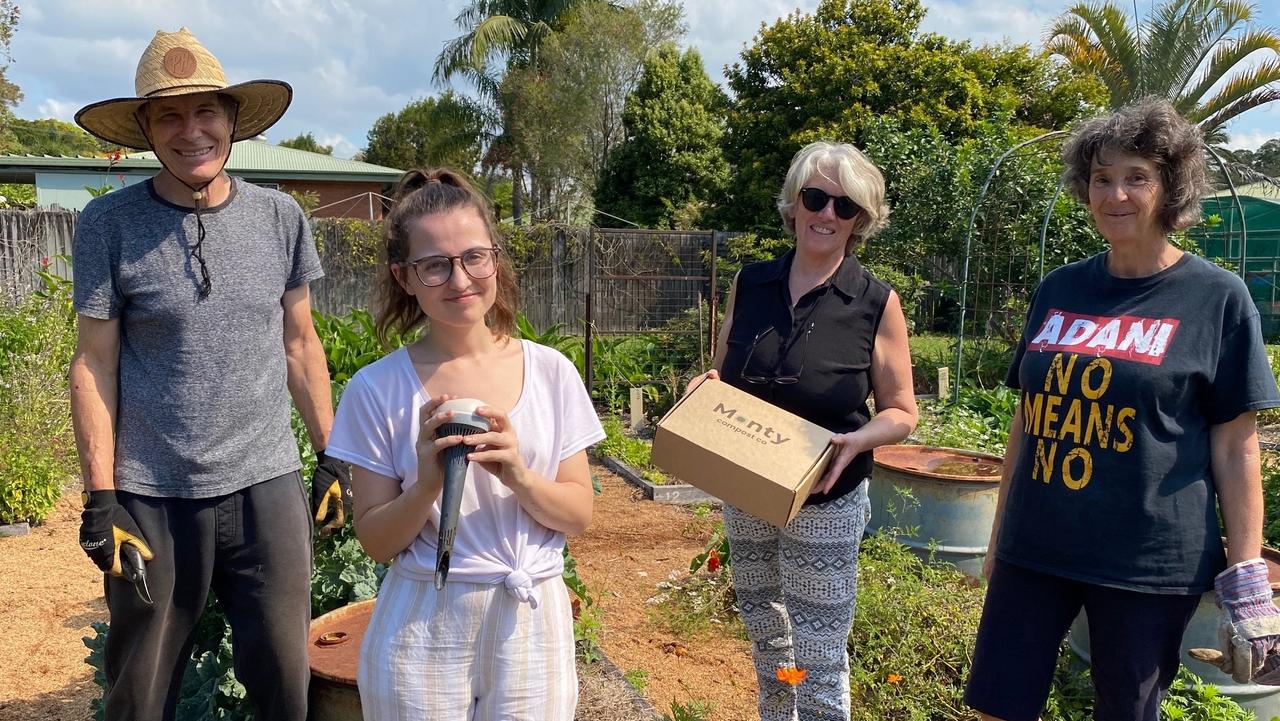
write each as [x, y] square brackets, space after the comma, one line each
[815, 199]
[784, 380]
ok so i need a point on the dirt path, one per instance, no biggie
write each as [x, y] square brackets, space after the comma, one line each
[631, 546]
[50, 594]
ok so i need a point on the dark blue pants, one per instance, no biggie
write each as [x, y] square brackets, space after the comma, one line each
[252, 548]
[1134, 641]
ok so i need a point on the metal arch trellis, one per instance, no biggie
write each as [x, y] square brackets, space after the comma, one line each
[1007, 239]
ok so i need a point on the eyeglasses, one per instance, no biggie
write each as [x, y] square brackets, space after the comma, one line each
[778, 380]
[436, 270]
[815, 199]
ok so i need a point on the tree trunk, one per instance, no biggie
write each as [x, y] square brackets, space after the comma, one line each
[517, 192]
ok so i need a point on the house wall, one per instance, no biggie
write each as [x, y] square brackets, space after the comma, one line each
[338, 200]
[68, 189]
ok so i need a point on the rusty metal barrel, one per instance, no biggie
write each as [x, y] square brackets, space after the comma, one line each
[333, 655]
[952, 502]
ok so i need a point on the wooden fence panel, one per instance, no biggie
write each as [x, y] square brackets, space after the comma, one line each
[33, 240]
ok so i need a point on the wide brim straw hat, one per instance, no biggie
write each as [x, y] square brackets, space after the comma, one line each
[177, 64]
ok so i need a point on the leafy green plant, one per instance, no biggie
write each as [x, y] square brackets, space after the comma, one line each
[586, 616]
[978, 420]
[1271, 491]
[571, 346]
[630, 450]
[1189, 697]
[37, 445]
[691, 711]
[717, 552]
[350, 342]
[911, 637]
[639, 678]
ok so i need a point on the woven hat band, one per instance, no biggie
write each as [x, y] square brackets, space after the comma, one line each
[184, 90]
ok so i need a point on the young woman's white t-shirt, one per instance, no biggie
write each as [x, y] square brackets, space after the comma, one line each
[376, 427]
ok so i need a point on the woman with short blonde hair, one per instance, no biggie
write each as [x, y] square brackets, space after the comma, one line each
[816, 334]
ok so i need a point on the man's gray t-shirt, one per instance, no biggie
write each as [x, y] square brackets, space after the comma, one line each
[203, 405]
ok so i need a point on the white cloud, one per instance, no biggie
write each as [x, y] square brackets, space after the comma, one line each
[1251, 140]
[352, 61]
[720, 29]
[54, 108]
[342, 148]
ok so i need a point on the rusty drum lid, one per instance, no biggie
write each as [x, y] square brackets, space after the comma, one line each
[334, 642]
[952, 464]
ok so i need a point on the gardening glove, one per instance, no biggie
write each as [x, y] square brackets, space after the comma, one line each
[330, 493]
[105, 527]
[1249, 635]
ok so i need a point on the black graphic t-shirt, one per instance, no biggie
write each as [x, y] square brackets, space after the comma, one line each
[1120, 380]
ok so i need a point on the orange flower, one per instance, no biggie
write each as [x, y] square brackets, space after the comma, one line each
[791, 675]
[713, 561]
[893, 678]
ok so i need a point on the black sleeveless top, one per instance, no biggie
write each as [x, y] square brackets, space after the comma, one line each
[825, 342]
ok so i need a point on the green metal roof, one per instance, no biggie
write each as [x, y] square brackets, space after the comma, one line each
[1265, 191]
[250, 159]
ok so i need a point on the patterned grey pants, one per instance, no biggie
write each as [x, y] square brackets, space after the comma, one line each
[796, 590]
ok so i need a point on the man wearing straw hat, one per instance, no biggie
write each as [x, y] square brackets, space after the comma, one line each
[195, 328]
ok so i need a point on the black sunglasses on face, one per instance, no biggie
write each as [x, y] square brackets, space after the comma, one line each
[436, 270]
[815, 199]
[779, 380]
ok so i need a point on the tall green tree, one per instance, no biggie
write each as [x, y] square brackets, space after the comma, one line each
[1191, 52]
[436, 131]
[499, 35]
[307, 142]
[671, 165]
[10, 94]
[830, 73]
[569, 109]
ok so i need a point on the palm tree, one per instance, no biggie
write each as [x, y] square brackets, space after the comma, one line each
[1191, 52]
[510, 31]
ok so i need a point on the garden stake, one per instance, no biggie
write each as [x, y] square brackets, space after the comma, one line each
[465, 422]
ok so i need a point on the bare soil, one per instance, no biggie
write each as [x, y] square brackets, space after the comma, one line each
[631, 546]
[50, 594]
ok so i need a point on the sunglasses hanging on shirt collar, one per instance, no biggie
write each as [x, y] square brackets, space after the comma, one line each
[815, 199]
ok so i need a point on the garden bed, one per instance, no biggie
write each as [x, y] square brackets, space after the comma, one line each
[670, 492]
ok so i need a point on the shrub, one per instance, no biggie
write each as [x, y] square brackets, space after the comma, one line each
[978, 420]
[37, 445]
[911, 637]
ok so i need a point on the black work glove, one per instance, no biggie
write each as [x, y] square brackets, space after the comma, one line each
[105, 526]
[330, 493]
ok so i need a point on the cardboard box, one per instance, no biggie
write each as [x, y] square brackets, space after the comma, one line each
[749, 453]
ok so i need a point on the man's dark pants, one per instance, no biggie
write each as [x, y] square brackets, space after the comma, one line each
[252, 548]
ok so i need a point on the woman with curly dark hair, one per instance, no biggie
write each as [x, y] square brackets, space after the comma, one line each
[1140, 371]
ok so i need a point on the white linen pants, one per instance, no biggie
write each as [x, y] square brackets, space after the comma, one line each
[470, 652]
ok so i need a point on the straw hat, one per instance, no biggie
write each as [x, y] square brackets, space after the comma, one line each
[177, 64]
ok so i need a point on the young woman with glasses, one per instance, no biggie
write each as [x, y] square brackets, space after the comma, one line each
[814, 333]
[496, 642]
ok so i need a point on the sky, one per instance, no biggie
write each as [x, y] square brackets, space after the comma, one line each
[351, 61]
